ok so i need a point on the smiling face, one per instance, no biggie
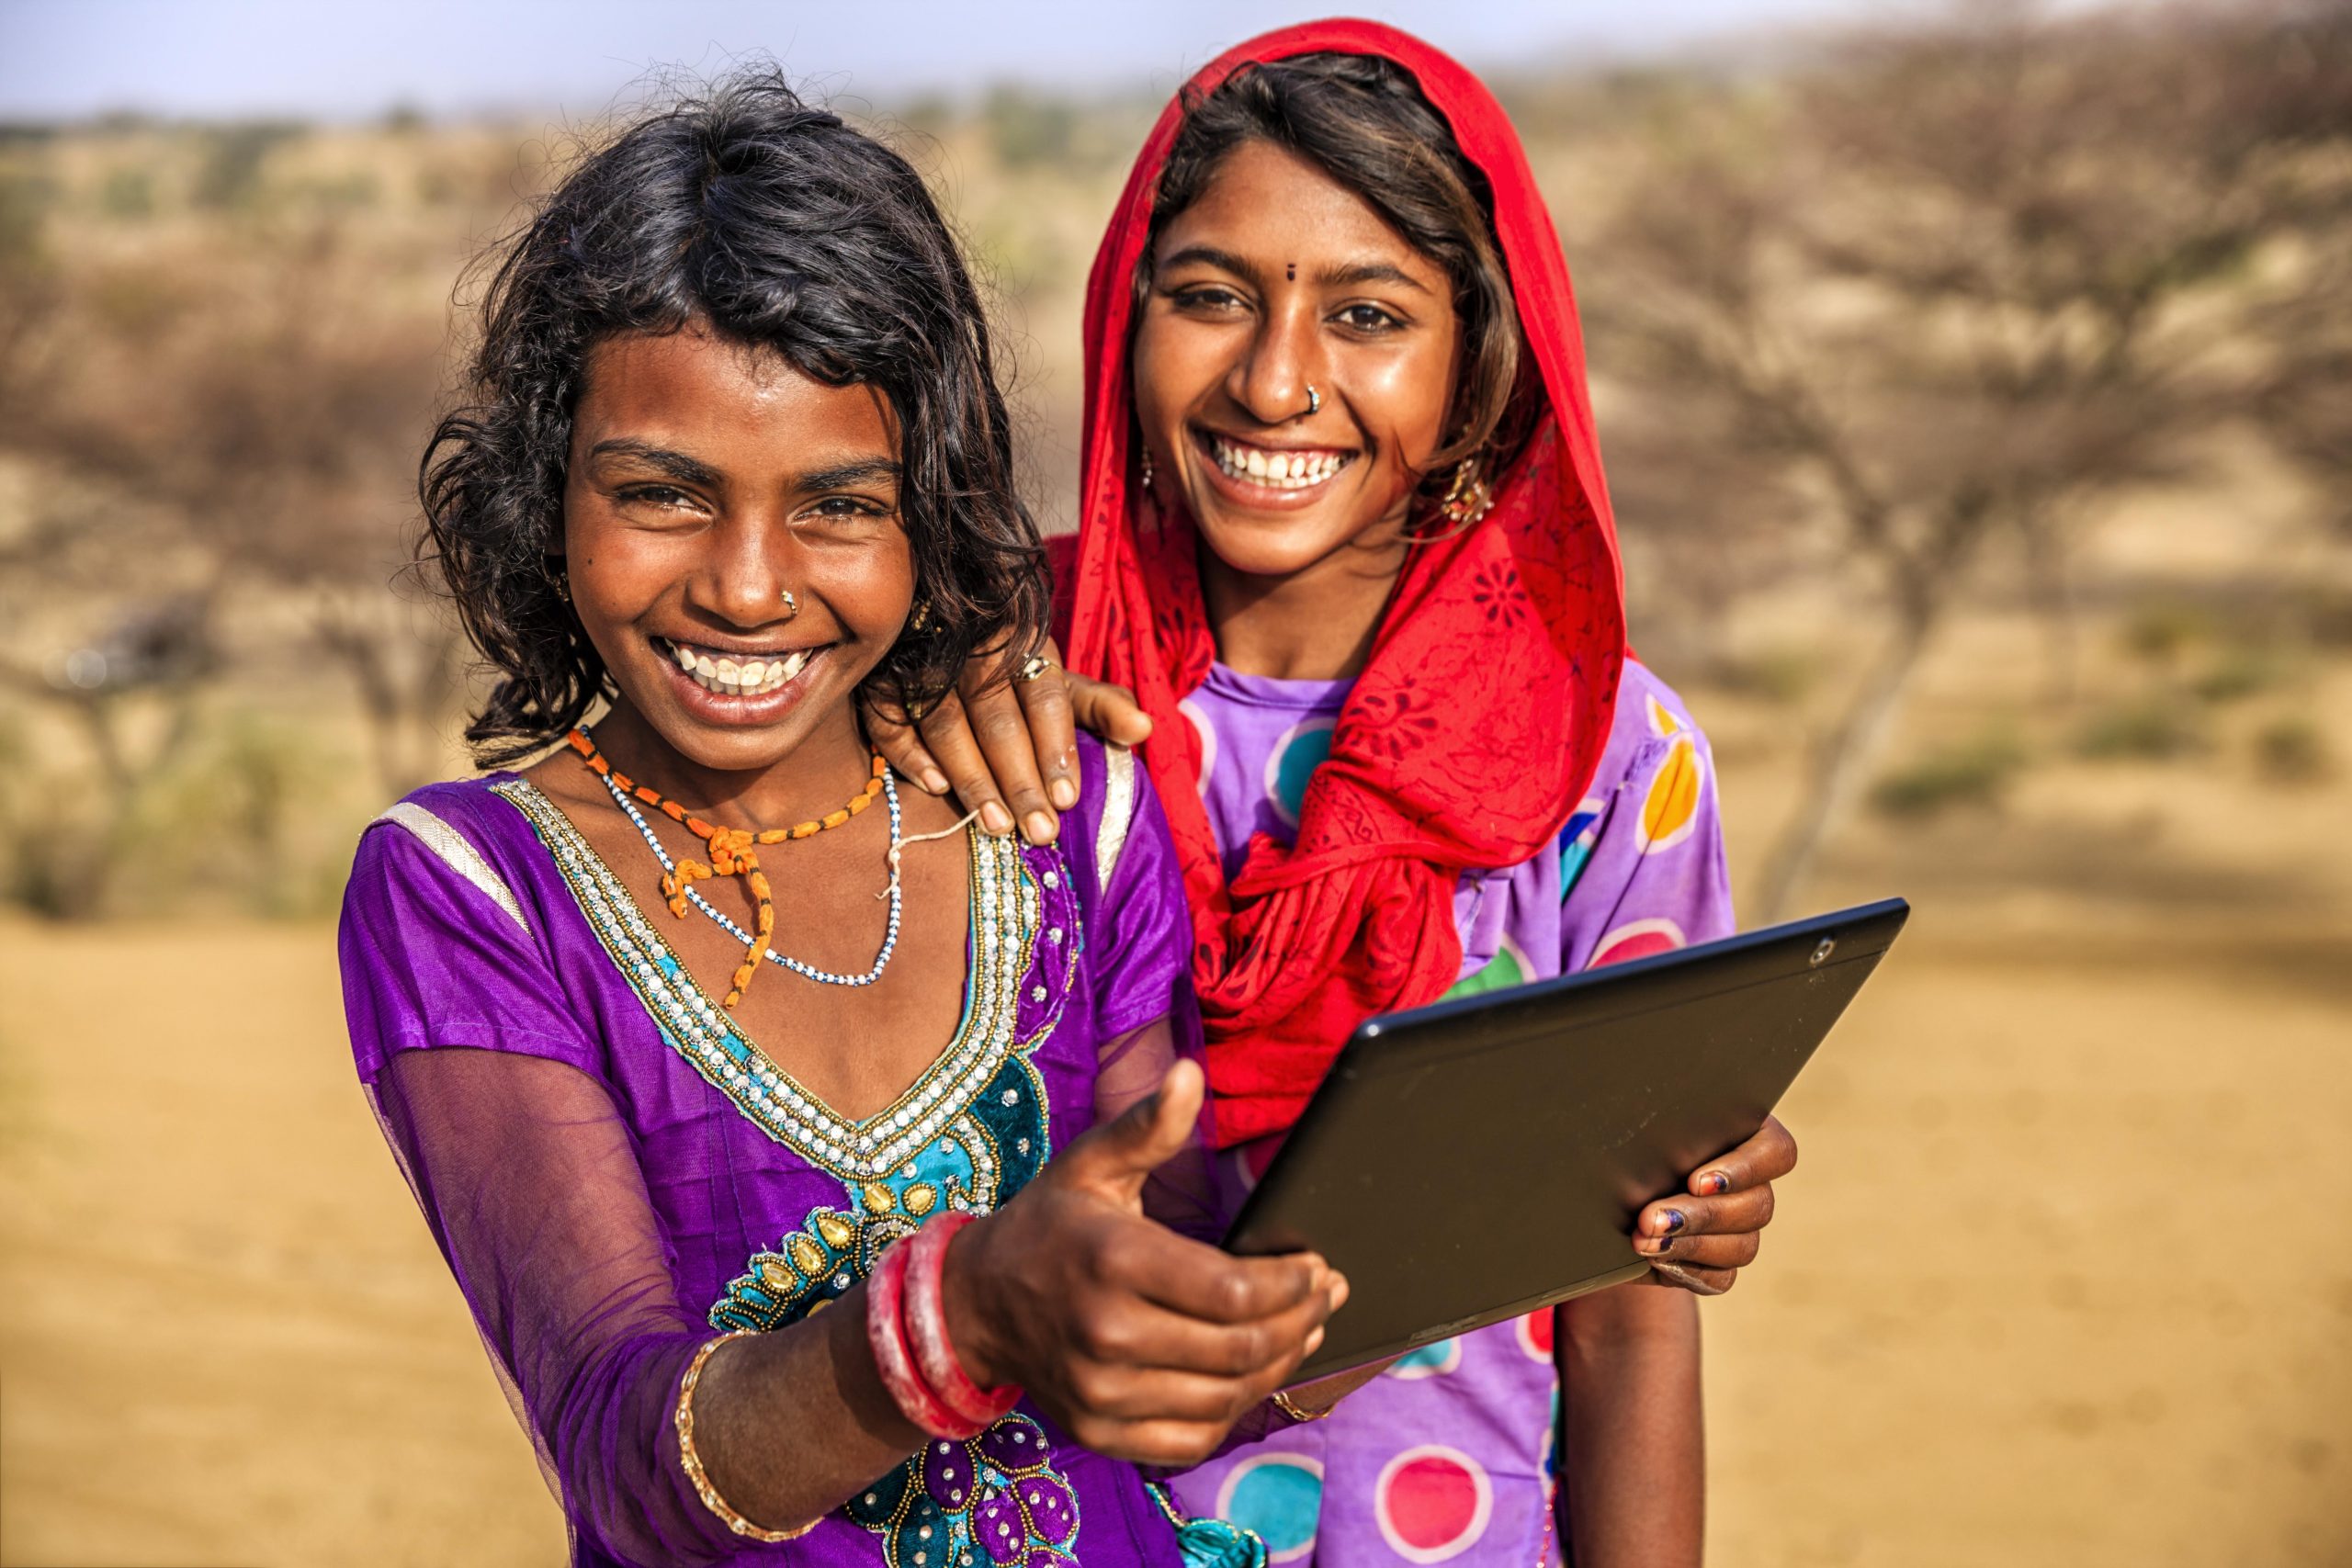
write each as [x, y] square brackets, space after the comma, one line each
[1276, 278]
[706, 481]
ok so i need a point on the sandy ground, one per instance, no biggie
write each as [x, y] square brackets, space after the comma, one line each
[2060, 1280]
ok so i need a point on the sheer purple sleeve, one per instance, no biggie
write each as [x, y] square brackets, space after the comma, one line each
[1145, 1018]
[487, 1091]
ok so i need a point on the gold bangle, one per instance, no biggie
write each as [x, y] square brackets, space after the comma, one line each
[1291, 1407]
[690, 1462]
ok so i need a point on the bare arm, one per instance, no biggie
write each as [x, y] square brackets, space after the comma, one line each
[1632, 1473]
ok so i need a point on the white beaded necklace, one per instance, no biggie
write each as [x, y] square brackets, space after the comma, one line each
[890, 939]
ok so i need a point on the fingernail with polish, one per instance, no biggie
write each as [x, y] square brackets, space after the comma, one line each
[996, 818]
[1713, 1182]
[1674, 1222]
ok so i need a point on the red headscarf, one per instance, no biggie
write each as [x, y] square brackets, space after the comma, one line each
[1473, 730]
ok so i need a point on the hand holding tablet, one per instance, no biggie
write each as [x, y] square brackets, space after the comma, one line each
[1476, 1159]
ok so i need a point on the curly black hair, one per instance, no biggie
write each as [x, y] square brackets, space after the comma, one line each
[1363, 121]
[780, 227]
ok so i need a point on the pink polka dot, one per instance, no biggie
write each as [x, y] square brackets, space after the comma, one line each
[1638, 939]
[1432, 1503]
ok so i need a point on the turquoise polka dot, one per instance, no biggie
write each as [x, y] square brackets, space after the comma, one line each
[1295, 758]
[1583, 830]
[1280, 1499]
[1572, 860]
[1430, 1356]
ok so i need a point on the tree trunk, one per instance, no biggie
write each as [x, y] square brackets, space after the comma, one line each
[1833, 773]
[2051, 589]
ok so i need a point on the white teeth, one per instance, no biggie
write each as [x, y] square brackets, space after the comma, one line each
[751, 678]
[1277, 470]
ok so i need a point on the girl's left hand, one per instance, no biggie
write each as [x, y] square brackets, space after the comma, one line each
[1701, 1243]
[1005, 746]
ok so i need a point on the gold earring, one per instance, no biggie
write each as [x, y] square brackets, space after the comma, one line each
[921, 615]
[1468, 499]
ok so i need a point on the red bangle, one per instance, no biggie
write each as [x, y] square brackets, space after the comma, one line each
[926, 1325]
[885, 1332]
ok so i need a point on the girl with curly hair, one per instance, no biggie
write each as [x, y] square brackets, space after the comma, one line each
[789, 1139]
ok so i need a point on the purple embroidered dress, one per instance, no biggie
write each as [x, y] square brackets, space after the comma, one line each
[1448, 1456]
[614, 1173]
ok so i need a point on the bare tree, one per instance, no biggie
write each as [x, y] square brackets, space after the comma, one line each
[283, 455]
[1953, 287]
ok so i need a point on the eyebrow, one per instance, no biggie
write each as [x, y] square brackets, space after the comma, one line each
[1209, 255]
[1368, 272]
[1342, 277]
[677, 465]
[857, 471]
[694, 471]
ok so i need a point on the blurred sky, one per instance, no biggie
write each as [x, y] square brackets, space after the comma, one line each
[70, 59]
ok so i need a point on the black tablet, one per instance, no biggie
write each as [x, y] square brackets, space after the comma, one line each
[1475, 1159]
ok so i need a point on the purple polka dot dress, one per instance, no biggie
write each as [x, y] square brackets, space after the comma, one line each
[1447, 1457]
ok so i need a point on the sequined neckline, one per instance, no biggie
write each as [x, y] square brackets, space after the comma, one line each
[1004, 925]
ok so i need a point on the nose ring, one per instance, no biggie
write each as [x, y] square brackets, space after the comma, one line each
[791, 605]
[1314, 400]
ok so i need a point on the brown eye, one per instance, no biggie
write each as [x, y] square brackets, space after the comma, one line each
[1207, 299]
[849, 506]
[1368, 319]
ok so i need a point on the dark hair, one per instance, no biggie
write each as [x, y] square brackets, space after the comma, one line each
[783, 229]
[1363, 120]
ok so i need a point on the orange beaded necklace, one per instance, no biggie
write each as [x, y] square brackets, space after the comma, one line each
[732, 849]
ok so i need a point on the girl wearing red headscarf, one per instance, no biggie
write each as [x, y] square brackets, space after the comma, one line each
[1345, 537]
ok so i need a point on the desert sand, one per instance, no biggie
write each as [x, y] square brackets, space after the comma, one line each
[2062, 1280]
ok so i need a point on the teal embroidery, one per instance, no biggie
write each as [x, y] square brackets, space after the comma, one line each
[982, 1158]
[971, 1131]
[1007, 912]
[996, 1498]
[1210, 1543]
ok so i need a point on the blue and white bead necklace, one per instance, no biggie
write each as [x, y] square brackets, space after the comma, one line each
[890, 939]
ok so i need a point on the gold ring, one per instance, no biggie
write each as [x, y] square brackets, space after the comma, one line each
[1037, 664]
[1296, 1412]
